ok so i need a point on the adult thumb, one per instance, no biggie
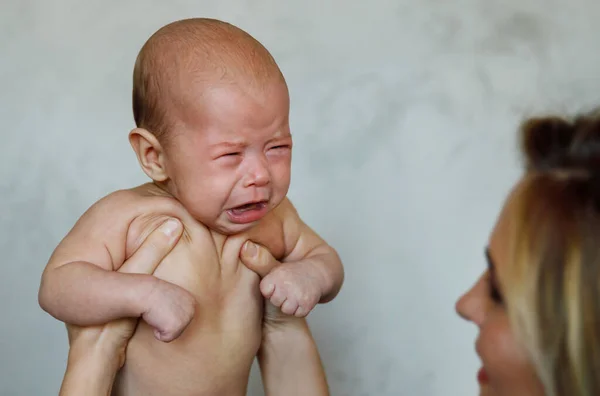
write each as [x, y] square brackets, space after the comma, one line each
[257, 258]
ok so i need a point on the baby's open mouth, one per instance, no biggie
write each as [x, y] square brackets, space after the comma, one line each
[248, 207]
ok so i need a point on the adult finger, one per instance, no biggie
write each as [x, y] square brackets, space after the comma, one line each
[154, 249]
[257, 258]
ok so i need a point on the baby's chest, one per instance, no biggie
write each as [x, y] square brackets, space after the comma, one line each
[204, 260]
[202, 255]
[193, 264]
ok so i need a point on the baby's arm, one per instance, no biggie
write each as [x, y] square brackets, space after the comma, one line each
[311, 273]
[80, 286]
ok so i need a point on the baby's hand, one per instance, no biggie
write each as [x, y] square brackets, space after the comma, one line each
[293, 287]
[170, 310]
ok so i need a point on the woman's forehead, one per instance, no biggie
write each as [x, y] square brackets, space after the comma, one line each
[499, 241]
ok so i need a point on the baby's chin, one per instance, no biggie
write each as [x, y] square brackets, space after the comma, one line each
[237, 220]
[223, 225]
[231, 229]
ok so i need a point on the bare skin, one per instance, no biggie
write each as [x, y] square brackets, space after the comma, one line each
[506, 369]
[223, 169]
[288, 358]
[96, 353]
[224, 326]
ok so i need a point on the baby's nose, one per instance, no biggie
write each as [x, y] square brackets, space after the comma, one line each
[259, 174]
[261, 179]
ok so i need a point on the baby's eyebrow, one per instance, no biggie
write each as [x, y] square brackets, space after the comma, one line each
[282, 134]
[227, 145]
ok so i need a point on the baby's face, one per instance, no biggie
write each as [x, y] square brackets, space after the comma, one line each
[230, 166]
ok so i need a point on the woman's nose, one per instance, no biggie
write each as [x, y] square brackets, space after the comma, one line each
[471, 306]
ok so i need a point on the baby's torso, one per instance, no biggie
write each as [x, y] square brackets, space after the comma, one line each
[214, 354]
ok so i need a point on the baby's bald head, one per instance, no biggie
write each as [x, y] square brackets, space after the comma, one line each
[188, 55]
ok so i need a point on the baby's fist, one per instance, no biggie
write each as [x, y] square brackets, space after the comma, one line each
[293, 288]
[170, 310]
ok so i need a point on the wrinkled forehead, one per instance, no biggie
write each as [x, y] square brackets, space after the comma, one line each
[232, 108]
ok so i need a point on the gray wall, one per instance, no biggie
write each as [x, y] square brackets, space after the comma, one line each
[404, 116]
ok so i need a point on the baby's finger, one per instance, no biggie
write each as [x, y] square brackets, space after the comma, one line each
[289, 307]
[277, 298]
[301, 312]
[154, 249]
[267, 287]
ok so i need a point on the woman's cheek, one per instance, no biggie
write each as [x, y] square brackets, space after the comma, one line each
[506, 363]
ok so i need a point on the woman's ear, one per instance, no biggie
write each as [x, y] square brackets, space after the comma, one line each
[150, 154]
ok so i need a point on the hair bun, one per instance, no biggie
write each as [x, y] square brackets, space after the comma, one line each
[555, 142]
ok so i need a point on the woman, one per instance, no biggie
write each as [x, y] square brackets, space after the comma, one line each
[289, 360]
[537, 305]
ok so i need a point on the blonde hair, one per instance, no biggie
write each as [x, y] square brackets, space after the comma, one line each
[552, 288]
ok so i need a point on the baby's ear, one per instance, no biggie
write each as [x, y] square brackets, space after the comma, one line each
[150, 154]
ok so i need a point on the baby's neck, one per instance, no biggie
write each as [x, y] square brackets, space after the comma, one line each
[158, 189]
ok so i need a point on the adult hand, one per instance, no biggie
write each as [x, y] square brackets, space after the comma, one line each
[96, 353]
[288, 358]
[260, 260]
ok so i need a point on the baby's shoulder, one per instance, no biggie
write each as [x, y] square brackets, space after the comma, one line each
[276, 219]
[285, 210]
[287, 217]
[148, 209]
[105, 227]
[280, 220]
[122, 206]
[134, 213]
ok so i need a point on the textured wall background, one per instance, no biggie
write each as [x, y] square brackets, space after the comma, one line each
[404, 116]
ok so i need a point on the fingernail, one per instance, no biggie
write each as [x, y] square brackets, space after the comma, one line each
[169, 227]
[250, 249]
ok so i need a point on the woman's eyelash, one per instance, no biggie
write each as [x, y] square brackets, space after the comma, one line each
[496, 295]
[494, 292]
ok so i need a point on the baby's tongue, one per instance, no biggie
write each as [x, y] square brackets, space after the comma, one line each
[245, 208]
